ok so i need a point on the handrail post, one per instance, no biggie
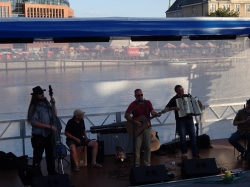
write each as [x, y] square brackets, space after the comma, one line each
[118, 117]
[23, 134]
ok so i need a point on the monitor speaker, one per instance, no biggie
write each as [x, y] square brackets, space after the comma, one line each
[148, 175]
[193, 168]
[52, 181]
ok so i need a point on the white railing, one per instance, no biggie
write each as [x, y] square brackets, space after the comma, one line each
[211, 114]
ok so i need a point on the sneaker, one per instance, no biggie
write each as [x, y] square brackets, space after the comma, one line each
[184, 156]
[53, 173]
[244, 155]
[76, 168]
[96, 165]
[197, 156]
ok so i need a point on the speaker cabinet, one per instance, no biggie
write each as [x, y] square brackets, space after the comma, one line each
[148, 175]
[193, 168]
[100, 154]
[52, 181]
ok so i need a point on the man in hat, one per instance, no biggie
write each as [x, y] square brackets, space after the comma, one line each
[242, 121]
[40, 115]
[76, 136]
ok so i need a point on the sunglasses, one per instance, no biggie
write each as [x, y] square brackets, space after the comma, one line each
[139, 95]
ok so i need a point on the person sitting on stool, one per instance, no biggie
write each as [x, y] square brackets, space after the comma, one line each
[242, 121]
[75, 130]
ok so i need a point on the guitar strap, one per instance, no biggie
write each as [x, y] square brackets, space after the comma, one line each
[146, 108]
[134, 108]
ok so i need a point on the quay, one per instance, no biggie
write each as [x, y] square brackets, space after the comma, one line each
[71, 63]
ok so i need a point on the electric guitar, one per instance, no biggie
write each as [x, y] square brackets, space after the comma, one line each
[134, 130]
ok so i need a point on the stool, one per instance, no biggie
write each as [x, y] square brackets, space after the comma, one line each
[245, 146]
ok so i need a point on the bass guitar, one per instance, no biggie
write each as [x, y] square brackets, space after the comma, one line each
[134, 130]
[60, 149]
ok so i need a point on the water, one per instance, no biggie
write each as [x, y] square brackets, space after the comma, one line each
[110, 89]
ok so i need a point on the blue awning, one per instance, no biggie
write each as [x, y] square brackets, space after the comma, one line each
[120, 27]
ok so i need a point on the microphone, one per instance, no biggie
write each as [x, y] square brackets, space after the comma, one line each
[140, 100]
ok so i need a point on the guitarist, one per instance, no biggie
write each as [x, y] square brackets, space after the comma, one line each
[141, 107]
[39, 116]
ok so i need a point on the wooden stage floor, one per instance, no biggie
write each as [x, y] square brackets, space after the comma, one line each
[117, 174]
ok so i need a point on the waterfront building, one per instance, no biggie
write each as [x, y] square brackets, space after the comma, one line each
[197, 8]
[5, 9]
[36, 8]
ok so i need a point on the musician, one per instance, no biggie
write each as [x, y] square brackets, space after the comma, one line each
[39, 116]
[242, 121]
[138, 108]
[75, 130]
[184, 125]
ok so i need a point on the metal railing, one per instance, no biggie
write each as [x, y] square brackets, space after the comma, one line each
[211, 113]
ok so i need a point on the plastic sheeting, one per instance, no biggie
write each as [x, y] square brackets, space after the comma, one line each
[120, 27]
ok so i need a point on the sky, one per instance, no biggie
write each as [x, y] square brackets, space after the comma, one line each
[120, 8]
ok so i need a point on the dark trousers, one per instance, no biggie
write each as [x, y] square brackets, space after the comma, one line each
[39, 144]
[233, 140]
[185, 127]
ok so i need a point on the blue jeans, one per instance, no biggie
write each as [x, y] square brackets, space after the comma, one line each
[233, 140]
[186, 127]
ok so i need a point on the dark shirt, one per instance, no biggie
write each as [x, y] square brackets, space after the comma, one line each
[75, 129]
[240, 116]
[172, 103]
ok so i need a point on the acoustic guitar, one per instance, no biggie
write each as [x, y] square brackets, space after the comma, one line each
[155, 142]
[134, 130]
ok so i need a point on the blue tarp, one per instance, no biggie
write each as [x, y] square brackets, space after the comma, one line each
[120, 27]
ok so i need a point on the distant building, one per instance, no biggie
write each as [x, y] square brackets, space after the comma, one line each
[198, 8]
[5, 9]
[36, 8]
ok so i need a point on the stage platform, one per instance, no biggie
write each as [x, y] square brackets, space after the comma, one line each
[117, 174]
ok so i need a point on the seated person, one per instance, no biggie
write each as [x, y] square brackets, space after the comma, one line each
[242, 121]
[75, 130]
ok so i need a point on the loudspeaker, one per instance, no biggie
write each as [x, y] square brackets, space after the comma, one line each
[192, 168]
[148, 175]
[52, 181]
[100, 154]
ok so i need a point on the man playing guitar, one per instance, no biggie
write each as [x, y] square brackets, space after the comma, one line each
[137, 108]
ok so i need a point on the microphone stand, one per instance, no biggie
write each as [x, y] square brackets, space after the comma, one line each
[197, 135]
[134, 125]
[197, 128]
